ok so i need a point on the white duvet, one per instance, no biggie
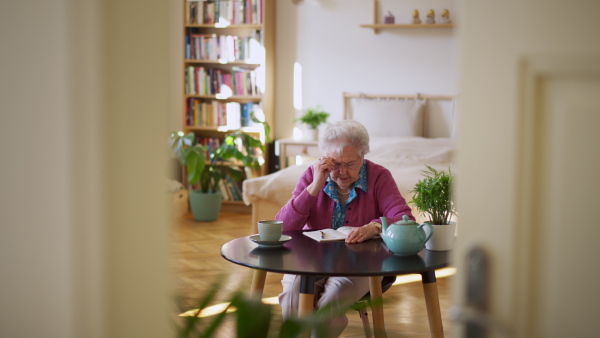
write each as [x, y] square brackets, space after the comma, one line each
[404, 157]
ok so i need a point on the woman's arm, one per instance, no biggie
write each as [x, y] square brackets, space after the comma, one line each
[295, 212]
[391, 203]
[310, 185]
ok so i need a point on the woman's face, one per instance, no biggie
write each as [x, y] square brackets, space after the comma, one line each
[347, 166]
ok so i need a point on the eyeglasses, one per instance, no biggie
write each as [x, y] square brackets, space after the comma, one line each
[348, 166]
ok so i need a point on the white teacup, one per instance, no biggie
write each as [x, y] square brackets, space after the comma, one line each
[270, 230]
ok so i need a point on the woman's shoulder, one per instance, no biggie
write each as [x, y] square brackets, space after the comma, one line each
[373, 167]
[375, 170]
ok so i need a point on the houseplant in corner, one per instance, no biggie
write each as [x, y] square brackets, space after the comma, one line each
[313, 118]
[433, 197]
[206, 167]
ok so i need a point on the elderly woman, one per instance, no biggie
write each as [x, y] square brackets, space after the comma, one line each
[340, 189]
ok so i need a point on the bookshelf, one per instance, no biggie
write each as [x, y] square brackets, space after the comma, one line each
[228, 69]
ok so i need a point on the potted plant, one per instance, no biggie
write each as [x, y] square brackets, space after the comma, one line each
[313, 118]
[206, 167]
[433, 197]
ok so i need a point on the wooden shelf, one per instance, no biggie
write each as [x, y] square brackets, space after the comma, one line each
[225, 63]
[224, 129]
[393, 26]
[236, 206]
[375, 26]
[230, 98]
[234, 202]
[217, 26]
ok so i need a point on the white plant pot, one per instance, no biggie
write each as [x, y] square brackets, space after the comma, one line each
[311, 134]
[443, 237]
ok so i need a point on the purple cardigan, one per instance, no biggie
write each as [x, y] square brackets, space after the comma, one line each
[304, 211]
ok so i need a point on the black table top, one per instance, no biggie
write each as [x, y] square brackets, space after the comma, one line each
[305, 256]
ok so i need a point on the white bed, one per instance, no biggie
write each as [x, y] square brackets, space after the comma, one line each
[404, 151]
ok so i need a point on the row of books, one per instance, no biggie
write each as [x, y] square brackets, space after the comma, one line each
[224, 12]
[211, 143]
[211, 81]
[230, 189]
[226, 48]
[233, 115]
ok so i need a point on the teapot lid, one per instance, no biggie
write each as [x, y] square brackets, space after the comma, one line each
[406, 221]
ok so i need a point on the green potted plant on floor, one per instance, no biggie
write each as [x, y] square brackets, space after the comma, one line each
[313, 118]
[205, 167]
[433, 197]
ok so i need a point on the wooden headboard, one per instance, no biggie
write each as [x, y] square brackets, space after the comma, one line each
[439, 114]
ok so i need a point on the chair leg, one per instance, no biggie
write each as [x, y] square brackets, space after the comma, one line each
[365, 320]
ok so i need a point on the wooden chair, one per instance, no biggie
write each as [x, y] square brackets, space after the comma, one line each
[362, 304]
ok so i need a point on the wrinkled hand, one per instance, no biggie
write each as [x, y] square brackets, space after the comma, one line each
[321, 170]
[362, 234]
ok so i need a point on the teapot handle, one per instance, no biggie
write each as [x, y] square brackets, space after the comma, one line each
[428, 236]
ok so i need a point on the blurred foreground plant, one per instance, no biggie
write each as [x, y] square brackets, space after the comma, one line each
[254, 318]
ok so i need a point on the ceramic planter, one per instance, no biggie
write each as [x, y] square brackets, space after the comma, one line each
[443, 237]
[205, 206]
[311, 134]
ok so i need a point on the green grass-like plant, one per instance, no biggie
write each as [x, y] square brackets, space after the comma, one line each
[433, 195]
[313, 117]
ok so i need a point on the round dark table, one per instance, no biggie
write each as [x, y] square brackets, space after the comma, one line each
[308, 258]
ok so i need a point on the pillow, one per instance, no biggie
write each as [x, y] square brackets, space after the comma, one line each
[390, 117]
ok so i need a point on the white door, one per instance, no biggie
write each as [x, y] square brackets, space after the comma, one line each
[529, 162]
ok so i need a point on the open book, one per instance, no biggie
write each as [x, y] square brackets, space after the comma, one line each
[329, 235]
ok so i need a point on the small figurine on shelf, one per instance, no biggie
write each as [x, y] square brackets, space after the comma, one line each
[415, 16]
[445, 16]
[430, 17]
[389, 18]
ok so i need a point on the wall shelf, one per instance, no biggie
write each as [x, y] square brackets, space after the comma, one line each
[377, 26]
[395, 26]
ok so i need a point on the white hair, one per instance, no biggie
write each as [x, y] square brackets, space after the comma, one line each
[345, 133]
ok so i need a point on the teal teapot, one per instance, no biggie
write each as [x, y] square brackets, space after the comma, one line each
[405, 237]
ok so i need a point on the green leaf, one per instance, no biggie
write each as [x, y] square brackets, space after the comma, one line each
[195, 162]
[215, 323]
[254, 317]
[266, 128]
[189, 139]
[191, 323]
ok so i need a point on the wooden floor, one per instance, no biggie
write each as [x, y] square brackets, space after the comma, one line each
[198, 263]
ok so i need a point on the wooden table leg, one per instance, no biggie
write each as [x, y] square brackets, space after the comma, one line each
[377, 306]
[258, 283]
[433, 304]
[306, 300]
[306, 304]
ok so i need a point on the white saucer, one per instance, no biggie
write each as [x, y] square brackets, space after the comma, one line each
[270, 244]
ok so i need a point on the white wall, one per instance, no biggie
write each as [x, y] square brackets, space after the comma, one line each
[338, 56]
